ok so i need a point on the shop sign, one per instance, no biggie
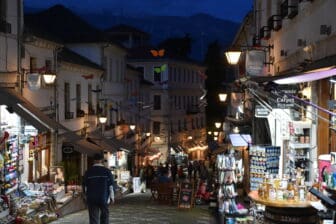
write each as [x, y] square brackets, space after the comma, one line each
[261, 111]
[283, 101]
[255, 62]
[124, 176]
[186, 195]
[67, 149]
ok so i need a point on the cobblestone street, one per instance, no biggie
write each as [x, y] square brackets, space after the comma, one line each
[139, 209]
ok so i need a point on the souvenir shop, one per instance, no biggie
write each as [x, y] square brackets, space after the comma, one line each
[277, 177]
[32, 191]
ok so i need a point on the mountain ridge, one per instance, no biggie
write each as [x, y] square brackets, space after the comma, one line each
[202, 27]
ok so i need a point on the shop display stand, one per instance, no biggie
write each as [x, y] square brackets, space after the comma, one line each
[298, 153]
[229, 174]
[263, 160]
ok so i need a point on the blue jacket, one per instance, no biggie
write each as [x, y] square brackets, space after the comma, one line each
[96, 184]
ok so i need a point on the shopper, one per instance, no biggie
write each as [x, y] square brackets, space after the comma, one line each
[98, 187]
[190, 169]
[173, 170]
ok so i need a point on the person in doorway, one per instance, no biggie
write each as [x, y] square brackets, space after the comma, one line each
[98, 187]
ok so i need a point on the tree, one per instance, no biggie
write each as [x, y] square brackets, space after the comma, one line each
[215, 83]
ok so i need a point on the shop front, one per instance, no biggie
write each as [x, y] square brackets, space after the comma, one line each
[117, 154]
[25, 155]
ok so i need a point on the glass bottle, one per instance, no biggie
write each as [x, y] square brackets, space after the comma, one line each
[290, 191]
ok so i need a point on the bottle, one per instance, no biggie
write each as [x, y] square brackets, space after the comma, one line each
[290, 191]
[302, 193]
[272, 193]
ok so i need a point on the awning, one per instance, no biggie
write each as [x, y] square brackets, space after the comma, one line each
[110, 144]
[310, 76]
[240, 139]
[312, 73]
[82, 145]
[28, 111]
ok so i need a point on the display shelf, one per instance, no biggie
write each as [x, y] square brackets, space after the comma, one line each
[263, 159]
[296, 145]
[298, 153]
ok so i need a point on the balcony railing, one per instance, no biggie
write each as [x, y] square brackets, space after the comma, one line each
[193, 110]
[80, 113]
[69, 115]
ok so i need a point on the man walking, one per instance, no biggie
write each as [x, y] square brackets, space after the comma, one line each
[98, 186]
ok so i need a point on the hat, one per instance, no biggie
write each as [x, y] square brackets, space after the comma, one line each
[98, 156]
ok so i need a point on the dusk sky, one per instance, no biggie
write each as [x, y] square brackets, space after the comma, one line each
[234, 10]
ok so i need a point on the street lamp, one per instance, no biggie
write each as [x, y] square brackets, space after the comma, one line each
[132, 127]
[218, 124]
[233, 57]
[102, 121]
[222, 97]
[49, 78]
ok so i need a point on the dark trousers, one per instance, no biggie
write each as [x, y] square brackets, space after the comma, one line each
[98, 212]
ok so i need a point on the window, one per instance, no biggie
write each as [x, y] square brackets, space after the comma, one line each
[157, 102]
[3, 11]
[179, 126]
[48, 66]
[78, 97]
[142, 70]
[90, 105]
[156, 127]
[67, 112]
[33, 65]
[157, 75]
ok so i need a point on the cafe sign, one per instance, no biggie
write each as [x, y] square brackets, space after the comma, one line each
[282, 99]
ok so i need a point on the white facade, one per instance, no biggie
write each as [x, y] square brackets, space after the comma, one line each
[175, 94]
[10, 32]
[303, 38]
[112, 58]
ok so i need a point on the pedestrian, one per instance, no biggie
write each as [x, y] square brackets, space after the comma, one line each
[173, 170]
[98, 187]
[190, 169]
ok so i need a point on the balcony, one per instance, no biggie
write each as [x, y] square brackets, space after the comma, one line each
[289, 8]
[80, 113]
[275, 22]
[194, 109]
[69, 115]
[5, 27]
[265, 33]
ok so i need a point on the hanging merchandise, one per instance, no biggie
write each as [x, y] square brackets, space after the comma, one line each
[229, 167]
[3, 139]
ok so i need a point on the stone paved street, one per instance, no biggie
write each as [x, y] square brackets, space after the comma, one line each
[139, 209]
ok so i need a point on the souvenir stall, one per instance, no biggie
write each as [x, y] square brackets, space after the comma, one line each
[118, 163]
[17, 165]
[230, 171]
[32, 191]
